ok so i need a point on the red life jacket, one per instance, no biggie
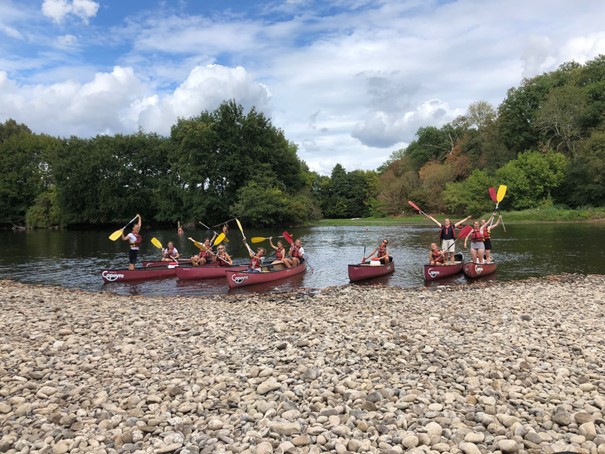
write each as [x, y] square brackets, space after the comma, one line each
[437, 256]
[294, 252]
[255, 262]
[486, 234]
[279, 254]
[382, 251]
[138, 241]
[477, 235]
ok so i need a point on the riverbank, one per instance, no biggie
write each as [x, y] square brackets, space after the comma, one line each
[506, 367]
[533, 216]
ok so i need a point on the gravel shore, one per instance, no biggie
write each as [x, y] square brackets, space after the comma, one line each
[515, 367]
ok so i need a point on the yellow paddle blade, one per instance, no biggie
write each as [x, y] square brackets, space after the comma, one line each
[501, 193]
[198, 244]
[219, 238]
[239, 224]
[258, 239]
[115, 235]
[156, 243]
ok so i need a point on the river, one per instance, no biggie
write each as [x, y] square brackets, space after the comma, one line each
[74, 259]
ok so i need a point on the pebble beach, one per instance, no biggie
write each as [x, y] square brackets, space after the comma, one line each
[508, 367]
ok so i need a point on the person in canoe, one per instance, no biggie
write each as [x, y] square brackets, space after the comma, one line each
[297, 253]
[447, 235]
[487, 236]
[170, 253]
[222, 257]
[179, 229]
[436, 255]
[205, 255]
[134, 242]
[280, 253]
[256, 258]
[477, 243]
[382, 252]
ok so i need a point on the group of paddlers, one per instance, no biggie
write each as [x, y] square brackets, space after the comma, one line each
[480, 238]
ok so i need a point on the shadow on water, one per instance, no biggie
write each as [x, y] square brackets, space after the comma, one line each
[75, 259]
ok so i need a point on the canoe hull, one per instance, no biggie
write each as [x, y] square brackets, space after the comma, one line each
[432, 272]
[236, 279]
[210, 271]
[154, 263]
[363, 271]
[474, 270]
[139, 274]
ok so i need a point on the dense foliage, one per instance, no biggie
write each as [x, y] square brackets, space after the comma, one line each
[546, 142]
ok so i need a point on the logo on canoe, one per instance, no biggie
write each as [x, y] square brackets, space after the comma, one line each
[238, 279]
[479, 269]
[433, 273]
[111, 277]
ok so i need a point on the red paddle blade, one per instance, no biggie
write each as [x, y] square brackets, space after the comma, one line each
[287, 237]
[464, 232]
[492, 194]
[413, 205]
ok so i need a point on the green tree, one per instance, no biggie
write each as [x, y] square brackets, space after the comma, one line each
[532, 177]
[469, 196]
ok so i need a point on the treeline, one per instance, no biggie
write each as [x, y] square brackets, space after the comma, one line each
[546, 142]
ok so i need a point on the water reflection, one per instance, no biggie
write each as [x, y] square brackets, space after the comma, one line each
[76, 258]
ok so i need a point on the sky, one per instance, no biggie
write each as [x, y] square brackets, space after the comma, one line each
[348, 82]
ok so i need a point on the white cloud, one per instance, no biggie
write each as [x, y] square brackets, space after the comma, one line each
[349, 84]
[57, 10]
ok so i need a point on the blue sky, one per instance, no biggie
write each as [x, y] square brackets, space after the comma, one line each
[349, 82]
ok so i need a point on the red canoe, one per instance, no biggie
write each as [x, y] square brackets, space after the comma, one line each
[153, 263]
[362, 271]
[209, 271]
[479, 269]
[236, 279]
[138, 274]
[434, 272]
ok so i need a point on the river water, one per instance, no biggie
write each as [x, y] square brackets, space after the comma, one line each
[74, 259]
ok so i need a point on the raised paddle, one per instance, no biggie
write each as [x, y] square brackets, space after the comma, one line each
[492, 194]
[157, 243]
[259, 239]
[417, 208]
[225, 239]
[241, 229]
[219, 238]
[499, 197]
[118, 233]
[198, 244]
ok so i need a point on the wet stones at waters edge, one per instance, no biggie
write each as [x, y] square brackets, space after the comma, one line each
[508, 368]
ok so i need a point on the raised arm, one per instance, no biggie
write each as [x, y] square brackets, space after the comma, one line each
[271, 243]
[434, 220]
[459, 223]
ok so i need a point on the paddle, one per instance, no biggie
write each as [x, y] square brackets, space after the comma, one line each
[118, 233]
[215, 233]
[417, 208]
[219, 238]
[198, 244]
[239, 225]
[158, 244]
[498, 197]
[258, 239]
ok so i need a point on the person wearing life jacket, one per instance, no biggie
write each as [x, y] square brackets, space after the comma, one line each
[134, 242]
[222, 257]
[487, 234]
[205, 255]
[171, 253]
[382, 252]
[436, 255]
[447, 235]
[280, 253]
[477, 244]
[297, 253]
